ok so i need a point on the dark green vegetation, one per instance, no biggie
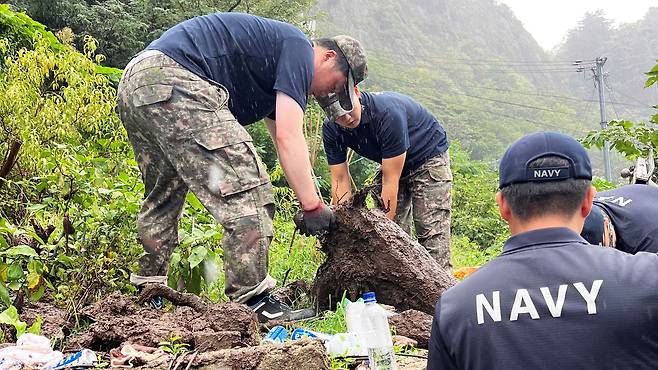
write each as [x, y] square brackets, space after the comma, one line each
[125, 27]
[70, 189]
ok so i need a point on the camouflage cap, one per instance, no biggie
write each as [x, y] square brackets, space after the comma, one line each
[340, 103]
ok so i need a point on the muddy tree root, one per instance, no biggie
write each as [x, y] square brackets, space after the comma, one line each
[303, 354]
[368, 252]
[177, 298]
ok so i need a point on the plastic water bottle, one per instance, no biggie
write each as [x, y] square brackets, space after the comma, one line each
[378, 335]
[354, 317]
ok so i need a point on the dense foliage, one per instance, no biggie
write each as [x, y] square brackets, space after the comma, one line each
[124, 27]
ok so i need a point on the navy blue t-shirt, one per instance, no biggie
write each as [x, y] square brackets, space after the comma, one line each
[550, 301]
[391, 124]
[633, 210]
[252, 57]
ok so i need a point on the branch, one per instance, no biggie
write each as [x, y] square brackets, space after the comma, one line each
[10, 160]
[179, 299]
[234, 6]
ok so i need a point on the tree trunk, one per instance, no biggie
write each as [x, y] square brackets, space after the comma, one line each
[368, 252]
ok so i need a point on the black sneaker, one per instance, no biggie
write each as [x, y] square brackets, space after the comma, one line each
[269, 307]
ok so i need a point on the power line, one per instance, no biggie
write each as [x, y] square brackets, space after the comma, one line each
[549, 95]
[543, 124]
[634, 99]
[484, 61]
[572, 67]
[524, 92]
[496, 100]
[590, 102]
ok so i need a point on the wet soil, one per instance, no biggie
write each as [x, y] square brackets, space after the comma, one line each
[303, 354]
[117, 319]
[413, 324]
[368, 252]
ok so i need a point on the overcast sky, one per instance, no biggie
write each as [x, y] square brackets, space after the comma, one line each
[549, 20]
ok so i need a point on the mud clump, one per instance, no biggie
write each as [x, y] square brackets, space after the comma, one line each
[413, 324]
[116, 320]
[368, 252]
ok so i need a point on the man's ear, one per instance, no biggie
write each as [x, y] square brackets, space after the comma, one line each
[503, 207]
[329, 54]
[586, 204]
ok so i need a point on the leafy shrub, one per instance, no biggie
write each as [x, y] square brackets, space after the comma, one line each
[474, 209]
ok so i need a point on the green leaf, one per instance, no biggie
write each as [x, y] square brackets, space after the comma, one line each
[35, 328]
[64, 259]
[174, 260]
[197, 256]
[36, 207]
[3, 243]
[33, 280]
[10, 317]
[6, 227]
[15, 272]
[194, 202]
[4, 295]
[20, 250]
[35, 266]
[37, 294]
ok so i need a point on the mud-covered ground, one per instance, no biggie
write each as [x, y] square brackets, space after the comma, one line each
[365, 252]
[222, 336]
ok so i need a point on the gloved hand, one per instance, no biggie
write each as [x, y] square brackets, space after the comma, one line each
[314, 221]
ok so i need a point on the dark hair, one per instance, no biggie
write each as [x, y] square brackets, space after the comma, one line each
[341, 62]
[539, 198]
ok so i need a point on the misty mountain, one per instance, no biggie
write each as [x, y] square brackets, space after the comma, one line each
[475, 66]
[631, 49]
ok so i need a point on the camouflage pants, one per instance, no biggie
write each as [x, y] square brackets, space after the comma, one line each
[185, 138]
[424, 198]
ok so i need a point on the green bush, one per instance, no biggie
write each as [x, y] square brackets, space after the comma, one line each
[474, 209]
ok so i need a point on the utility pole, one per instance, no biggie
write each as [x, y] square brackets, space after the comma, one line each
[598, 77]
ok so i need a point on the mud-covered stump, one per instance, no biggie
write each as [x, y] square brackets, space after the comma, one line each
[368, 252]
[303, 354]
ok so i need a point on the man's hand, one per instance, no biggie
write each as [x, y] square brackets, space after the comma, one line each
[341, 186]
[391, 171]
[315, 221]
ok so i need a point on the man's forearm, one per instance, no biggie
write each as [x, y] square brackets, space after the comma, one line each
[293, 155]
[390, 197]
[341, 190]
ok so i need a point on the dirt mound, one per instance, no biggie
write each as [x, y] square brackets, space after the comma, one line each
[117, 319]
[368, 252]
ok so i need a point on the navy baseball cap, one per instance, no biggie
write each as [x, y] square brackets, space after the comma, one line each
[514, 164]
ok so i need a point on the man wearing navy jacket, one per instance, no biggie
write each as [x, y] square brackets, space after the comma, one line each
[184, 102]
[411, 145]
[625, 218]
[550, 300]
